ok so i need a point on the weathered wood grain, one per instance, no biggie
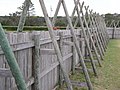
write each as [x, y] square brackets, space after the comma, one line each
[23, 46]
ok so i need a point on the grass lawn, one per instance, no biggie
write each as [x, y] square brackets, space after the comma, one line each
[109, 74]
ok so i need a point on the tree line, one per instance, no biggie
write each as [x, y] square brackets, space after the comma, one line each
[13, 18]
[112, 19]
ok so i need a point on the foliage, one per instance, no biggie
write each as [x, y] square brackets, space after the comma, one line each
[13, 21]
[112, 18]
[31, 9]
[61, 21]
[29, 28]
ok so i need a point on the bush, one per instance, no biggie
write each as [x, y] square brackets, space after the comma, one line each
[28, 28]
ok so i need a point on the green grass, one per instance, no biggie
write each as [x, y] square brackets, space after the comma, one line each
[109, 74]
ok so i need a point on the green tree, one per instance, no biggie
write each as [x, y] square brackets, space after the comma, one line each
[31, 9]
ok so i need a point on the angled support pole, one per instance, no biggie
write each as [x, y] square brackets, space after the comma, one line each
[74, 39]
[97, 31]
[111, 24]
[55, 44]
[77, 20]
[94, 28]
[98, 23]
[91, 39]
[100, 28]
[56, 13]
[117, 24]
[77, 48]
[97, 39]
[98, 18]
[104, 29]
[23, 16]
[9, 55]
[107, 23]
[86, 41]
[73, 13]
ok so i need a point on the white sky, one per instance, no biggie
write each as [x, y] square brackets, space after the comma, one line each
[100, 6]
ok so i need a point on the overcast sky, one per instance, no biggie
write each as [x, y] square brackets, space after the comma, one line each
[100, 6]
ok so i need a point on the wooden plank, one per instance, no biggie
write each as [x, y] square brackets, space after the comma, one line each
[19, 47]
[29, 82]
[80, 69]
[79, 84]
[67, 56]
[68, 43]
[47, 70]
[2, 79]
[11, 60]
[81, 39]
[5, 72]
[47, 40]
[44, 51]
[86, 60]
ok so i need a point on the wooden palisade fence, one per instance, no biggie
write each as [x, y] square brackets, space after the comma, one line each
[24, 49]
[46, 58]
[23, 45]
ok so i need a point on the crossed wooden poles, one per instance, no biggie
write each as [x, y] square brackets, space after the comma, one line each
[95, 28]
[114, 24]
[101, 38]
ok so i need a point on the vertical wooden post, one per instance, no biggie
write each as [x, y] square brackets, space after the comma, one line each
[113, 32]
[23, 16]
[61, 49]
[73, 57]
[9, 55]
[36, 62]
